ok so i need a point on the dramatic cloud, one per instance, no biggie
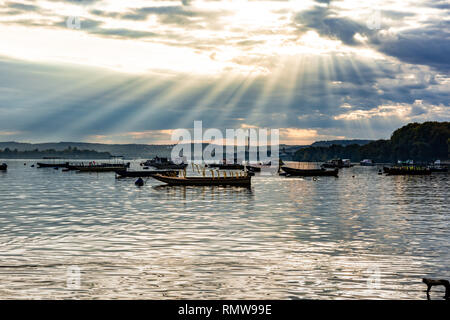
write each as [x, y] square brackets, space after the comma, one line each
[132, 71]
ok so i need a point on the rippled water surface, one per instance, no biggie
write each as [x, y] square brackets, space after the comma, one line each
[359, 236]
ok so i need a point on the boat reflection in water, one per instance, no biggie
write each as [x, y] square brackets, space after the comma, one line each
[234, 180]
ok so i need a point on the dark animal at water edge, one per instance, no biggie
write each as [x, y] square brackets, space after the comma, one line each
[431, 282]
[3, 167]
[310, 172]
[243, 181]
[147, 173]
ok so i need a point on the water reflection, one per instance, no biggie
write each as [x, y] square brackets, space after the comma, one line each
[358, 236]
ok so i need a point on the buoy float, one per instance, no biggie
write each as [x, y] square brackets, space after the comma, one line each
[139, 182]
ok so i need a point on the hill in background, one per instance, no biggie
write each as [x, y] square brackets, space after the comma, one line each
[425, 142]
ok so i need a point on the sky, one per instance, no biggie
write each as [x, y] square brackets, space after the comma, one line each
[115, 71]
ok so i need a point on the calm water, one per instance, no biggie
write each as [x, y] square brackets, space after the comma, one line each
[366, 236]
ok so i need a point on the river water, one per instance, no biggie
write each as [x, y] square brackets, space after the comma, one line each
[65, 235]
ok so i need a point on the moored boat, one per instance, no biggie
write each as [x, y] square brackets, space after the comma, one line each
[239, 181]
[146, 173]
[310, 172]
[3, 167]
[337, 163]
[437, 166]
[410, 170]
[95, 167]
[163, 163]
[439, 169]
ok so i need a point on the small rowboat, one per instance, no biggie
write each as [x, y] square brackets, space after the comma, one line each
[146, 173]
[3, 167]
[244, 181]
[310, 172]
[52, 165]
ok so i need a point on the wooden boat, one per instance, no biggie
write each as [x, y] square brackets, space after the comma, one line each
[3, 167]
[244, 181]
[146, 173]
[52, 165]
[103, 167]
[310, 172]
[406, 171]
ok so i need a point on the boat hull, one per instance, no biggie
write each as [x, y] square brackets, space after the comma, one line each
[97, 169]
[146, 173]
[310, 172]
[439, 169]
[204, 181]
[52, 165]
[163, 166]
[227, 166]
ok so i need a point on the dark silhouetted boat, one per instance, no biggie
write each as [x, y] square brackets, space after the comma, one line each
[53, 164]
[164, 163]
[146, 173]
[337, 163]
[242, 181]
[3, 167]
[98, 167]
[409, 170]
[310, 172]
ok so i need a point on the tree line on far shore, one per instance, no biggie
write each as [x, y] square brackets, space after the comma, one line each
[423, 142]
[70, 153]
